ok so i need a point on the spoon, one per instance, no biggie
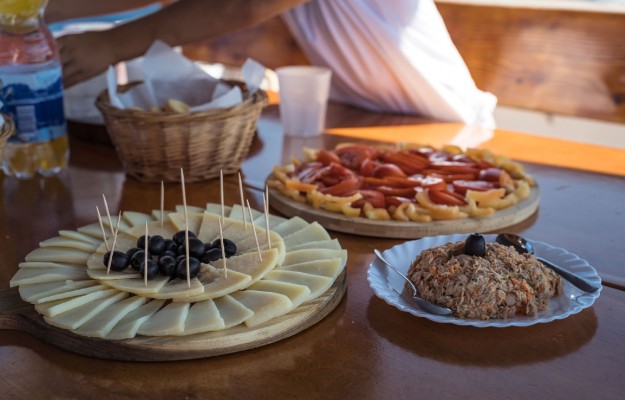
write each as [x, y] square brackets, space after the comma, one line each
[423, 304]
[521, 245]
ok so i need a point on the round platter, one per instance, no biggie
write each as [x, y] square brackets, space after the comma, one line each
[406, 230]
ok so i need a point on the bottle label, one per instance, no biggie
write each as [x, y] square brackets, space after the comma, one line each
[35, 102]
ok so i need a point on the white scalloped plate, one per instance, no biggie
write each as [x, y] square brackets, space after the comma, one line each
[386, 284]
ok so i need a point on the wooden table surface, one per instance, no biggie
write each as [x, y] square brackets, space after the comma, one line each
[365, 349]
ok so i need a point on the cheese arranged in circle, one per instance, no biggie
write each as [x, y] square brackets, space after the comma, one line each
[265, 305]
[128, 326]
[203, 317]
[101, 324]
[167, 321]
[76, 317]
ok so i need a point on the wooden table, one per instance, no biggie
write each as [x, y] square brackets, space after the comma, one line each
[365, 348]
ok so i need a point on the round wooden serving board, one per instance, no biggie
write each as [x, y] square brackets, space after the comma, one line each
[406, 230]
[18, 315]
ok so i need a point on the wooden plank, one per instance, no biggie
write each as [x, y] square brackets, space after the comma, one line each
[562, 61]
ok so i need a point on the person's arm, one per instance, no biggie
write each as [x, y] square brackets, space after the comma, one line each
[61, 10]
[182, 22]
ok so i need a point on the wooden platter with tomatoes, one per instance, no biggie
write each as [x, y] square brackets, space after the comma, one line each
[405, 190]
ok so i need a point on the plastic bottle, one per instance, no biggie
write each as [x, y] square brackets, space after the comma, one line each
[31, 90]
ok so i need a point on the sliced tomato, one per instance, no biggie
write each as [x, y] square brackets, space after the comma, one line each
[344, 187]
[385, 169]
[480, 186]
[407, 162]
[370, 196]
[445, 198]
[327, 157]
[352, 157]
[396, 200]
[393, 191]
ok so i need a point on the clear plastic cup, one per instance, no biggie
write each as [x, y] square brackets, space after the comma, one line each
[304, 94]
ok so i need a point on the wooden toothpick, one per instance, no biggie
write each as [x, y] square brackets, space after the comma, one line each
[186, 228]
[145, 257]
[108, 267]
[242, 204]
[266, 221]
[162, 203]
[260, 256]
[106, 244]
[108, 214]
[221, 189]
[223, 248]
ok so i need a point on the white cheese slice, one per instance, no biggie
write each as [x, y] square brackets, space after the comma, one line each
[311, 233]
[203, 317]
[167, 321]
[25, 276]
[60, 241]
[123, 243]
[195, 220]
[123, 225]
[328, 268]
[137, 285]
[32, 292]
[44, 264]
[236, 232]
[128, 326]
[216, 209]
[76, 317]
[289, 226]
[101, 275]
[236, 213]
[317, 284]
[217, 284]
[156, 215]
[177, 288]
[332, 244]
[69, 293]
[300, 256]
[249, 245]
[231, 311]
[250, 264]
[154, 228]
[274, 220]
[80, 236]
[52, 308]
[95, 231]
[296, 293]
[209, 229]
[101, 324]
[134, 218]
[190, 209]
[265, 305]
[58, 254]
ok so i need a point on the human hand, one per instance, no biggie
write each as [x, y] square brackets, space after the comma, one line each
[85, 55]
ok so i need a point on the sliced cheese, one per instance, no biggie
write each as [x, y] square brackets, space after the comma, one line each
[60, 241]
[332, 244]
[134, 218]
[52, 308]
[25, 276]
[300, 256]
[32, 292]
[274, 220]
[329, 268]
[195, 220]
[128, 326]
[311, 233]
[265, 305]
[217, 283]
[102, 276]
[250, 264]
[236, 232]
[316, 283]
[156, 215]
[169, 320]
[296, 293]
[236, 213]
[209, 229]
[80, 236]
[190, 209]
[44, 264]
[69, 293]
[290, 226]
[101, 324]
[177, 288]
[249, 245]
[154, 228]
[231, 311]
[123, 225]
[58, 254]
[95, 231]
[137, 285]
[216, 209]
[76, 317]
[203, 317]
[123, 243]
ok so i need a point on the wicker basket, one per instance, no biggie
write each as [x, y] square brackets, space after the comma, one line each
[7, 130]
[153, 146]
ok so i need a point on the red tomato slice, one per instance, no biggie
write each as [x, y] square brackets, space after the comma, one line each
[480, 186]
[445, 198]
[343, 188]
[327, 157]
[392, 191]
[396, 200]
[383, 170]
[370, 196]
[352, 157]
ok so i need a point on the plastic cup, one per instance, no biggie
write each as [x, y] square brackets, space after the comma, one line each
[304, 94]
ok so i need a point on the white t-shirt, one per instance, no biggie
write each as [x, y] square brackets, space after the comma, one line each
[390, 56]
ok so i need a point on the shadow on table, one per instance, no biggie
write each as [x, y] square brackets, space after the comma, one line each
[485, 347]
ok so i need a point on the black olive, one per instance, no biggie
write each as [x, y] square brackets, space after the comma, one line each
[475, 245]
[179, 258]
[167, 266]
[212, 254]
[229, 246]
[196, 248]
[156, 245]
[152, 268]
[141, 242]
[137, 259]
[170, 253]
[119, 261]
[131, 252]
[170, 245]
[194, 268]
[179, 237]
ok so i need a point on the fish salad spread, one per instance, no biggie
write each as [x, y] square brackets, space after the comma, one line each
[500, 284]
